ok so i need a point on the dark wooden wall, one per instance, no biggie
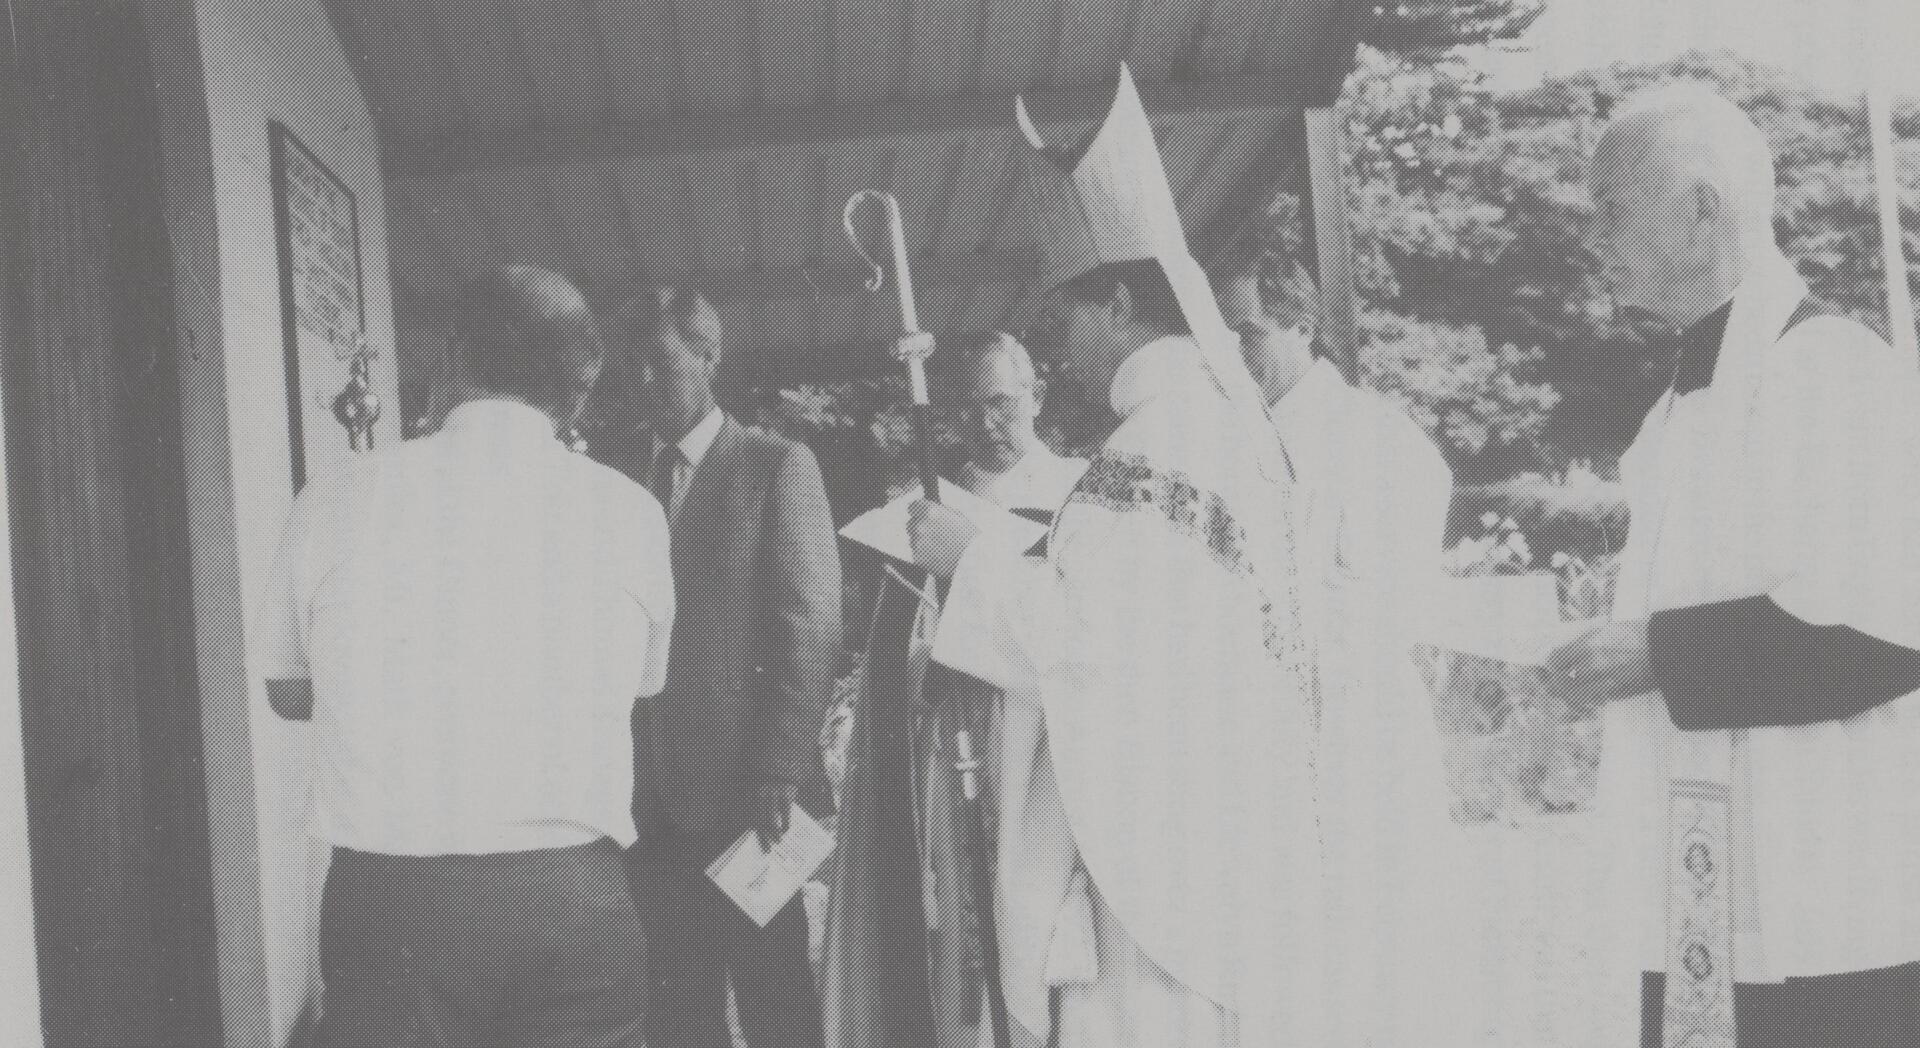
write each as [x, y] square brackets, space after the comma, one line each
[115, 789]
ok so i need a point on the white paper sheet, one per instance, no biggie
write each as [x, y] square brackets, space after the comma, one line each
[761, 882]
[885, 529]
[1514, 620]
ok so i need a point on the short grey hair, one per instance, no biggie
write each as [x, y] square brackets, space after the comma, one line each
[1693, 129]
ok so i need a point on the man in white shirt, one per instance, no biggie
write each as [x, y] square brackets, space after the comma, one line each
[1371, 505]
[467, 620]
[1760, 778]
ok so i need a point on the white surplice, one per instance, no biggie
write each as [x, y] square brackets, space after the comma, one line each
[1375, 494]
[1792, 475]
[1161, 639]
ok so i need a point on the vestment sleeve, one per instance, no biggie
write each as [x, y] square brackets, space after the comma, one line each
[1002, 619]
[1749, 664]
[1840, 634]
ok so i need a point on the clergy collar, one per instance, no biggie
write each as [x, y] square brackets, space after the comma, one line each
[1151, 370]
[1698, 350]
[516, 419]
[1763, 305]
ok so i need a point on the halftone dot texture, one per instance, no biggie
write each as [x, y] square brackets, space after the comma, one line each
[618, 142]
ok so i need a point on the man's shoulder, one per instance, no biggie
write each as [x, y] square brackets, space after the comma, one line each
[1834, 355]
[767, 451]
[610, 490]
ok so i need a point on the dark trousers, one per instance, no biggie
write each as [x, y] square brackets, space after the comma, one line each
[698, 938]
[1872, 1009]
[538, 949]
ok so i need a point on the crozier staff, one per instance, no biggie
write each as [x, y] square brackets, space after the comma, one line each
[911, 955]
[1161, 637]
[1761, 769]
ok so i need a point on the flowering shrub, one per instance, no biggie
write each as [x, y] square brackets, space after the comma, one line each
[1515, 748]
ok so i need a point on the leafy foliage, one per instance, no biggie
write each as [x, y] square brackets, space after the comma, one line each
[1468, 207]
[1481, 308]
[1427, 26]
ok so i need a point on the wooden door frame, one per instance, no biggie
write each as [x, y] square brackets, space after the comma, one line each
[110, 109]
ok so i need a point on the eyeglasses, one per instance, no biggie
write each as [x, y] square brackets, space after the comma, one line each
[1002, 408]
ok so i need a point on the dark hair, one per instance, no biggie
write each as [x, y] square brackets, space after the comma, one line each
[638, 319]
[1272, 257]
[1154, 303]
[658, 308]
[525, 332]
[1286, 289]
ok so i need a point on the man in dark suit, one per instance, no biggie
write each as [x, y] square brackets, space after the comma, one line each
[732, 741]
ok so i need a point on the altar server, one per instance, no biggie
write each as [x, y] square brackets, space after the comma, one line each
[1373, 495]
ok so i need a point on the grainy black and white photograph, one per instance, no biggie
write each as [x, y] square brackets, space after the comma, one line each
[960, 524]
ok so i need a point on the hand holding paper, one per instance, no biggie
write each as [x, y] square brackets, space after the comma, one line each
[762, 880]
[1606, 663]
[1512, 620]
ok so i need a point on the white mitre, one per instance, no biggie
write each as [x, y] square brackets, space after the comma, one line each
[1121, 209]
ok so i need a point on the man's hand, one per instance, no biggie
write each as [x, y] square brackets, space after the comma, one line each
[940, 536]
[1605, 664]
[772, 801]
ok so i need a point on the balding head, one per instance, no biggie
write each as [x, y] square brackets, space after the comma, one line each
[1684, 187]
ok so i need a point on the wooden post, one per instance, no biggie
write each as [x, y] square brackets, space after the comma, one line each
[1333, 238]
[1893, 256]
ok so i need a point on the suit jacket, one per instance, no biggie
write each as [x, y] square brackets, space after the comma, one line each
[756, 638]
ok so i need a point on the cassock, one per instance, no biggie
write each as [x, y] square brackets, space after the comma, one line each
[1373, 495]
[904, 951]
[1159, 641]
[1034, 864]
[1764, 804]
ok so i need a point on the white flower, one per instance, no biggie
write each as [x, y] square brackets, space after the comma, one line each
[1509, 524]
[1560, 561]
[1450, 127]
[1489, 520]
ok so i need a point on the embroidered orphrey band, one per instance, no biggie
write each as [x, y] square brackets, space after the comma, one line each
[1698, 1010]
[1129, 483]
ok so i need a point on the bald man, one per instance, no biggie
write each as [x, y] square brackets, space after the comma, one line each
[1761, 772]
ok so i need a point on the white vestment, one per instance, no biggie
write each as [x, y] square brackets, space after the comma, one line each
[1375, 494]
[1160, 638]
[1792, 475]
[1039, 894]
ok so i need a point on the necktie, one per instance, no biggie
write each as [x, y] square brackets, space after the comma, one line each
[665, 465]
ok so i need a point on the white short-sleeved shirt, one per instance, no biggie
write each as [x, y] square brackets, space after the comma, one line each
[478, 611]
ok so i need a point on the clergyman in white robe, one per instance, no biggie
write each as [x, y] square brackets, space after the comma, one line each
[1159, 641]
[1374, 494]
[1760, 774]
